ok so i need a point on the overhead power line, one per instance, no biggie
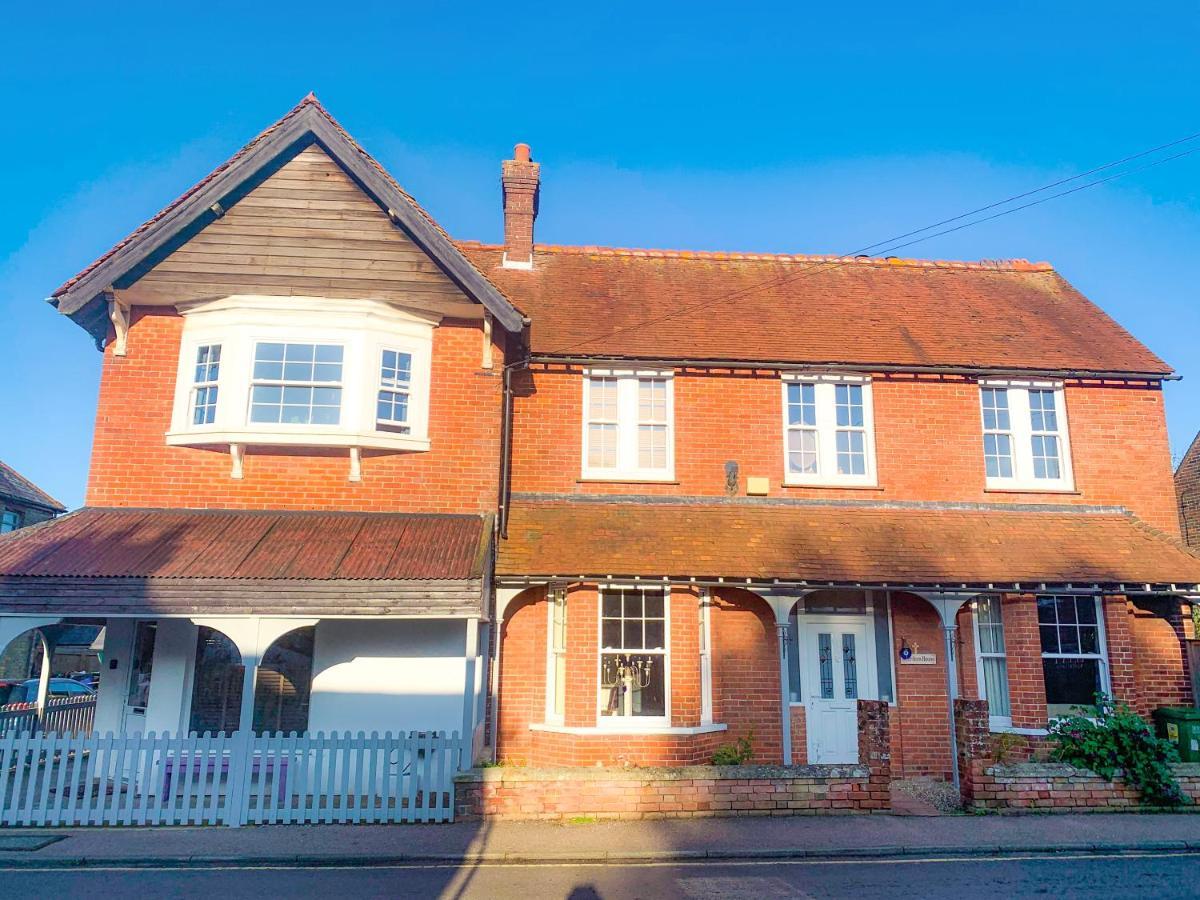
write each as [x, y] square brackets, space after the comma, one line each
[891, 246]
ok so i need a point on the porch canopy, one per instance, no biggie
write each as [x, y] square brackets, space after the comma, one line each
[938, 547]
[179, 562]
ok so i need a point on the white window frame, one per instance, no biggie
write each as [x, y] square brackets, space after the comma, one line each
[557, 597]
[283, 382]
[364, 329]
[627, 422]
[1101, 641]
[706, 698]
[10, 520]
[995, 721]
[825, 394]
[395, 387]
[634, 723]
[1021, 434]
[213, 384]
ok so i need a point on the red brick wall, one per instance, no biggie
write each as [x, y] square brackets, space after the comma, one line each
[133, 466]
[921, 730]
[1118, 624]
[1160, 658]
[799, 735]
[746, 671]
[522, 676]
[1023, 649]
[927, 434]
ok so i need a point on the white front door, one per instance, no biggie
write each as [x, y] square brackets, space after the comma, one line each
[836, 674]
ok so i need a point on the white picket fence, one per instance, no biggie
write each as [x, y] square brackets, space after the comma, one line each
[62, 714]
[228, 779]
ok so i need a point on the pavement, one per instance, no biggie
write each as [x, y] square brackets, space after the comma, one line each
[601, 842]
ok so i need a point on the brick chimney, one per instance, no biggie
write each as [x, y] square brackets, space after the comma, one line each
[519, 176]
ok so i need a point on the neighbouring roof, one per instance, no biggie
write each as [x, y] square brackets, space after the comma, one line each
[207, 561]
[15, 486]
[841, 543]
[1007, 315]
[308, 122]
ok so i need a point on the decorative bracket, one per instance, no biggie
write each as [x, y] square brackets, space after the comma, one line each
[355, 464]
[487, 340]
[118, 314]
[237, 453]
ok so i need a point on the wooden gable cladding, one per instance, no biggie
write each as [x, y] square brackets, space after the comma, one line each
[307, 230]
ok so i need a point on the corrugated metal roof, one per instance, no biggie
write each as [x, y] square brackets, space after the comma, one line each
[175, 543]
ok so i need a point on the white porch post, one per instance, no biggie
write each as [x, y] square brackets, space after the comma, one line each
[47, 645]
[785, 698]
[468, 716]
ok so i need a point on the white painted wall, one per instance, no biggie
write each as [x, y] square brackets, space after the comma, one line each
[170, 682]
[388, 675]
[110, 697]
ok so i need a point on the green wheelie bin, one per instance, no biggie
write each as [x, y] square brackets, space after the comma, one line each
[1181, 726]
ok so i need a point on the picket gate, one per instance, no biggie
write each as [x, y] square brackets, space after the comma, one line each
[61, 779]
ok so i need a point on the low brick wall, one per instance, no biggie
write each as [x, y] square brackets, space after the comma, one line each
[521, 793]
[1057, 787]
[513, 792]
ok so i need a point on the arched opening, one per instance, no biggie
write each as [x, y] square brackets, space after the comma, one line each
[282, 687]
[284, 684]
[216, 683]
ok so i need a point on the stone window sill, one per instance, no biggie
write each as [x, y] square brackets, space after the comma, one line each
[594, 730]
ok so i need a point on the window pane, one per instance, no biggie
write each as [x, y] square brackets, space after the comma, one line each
[652, 400]
[1085, 610]
[268, 352]
[632, 635]
[654, 604]
[612, 603]
[997, 455]
[395, 369]
[633, 684]
[849, 405]
[655, 635]
[849, 667]
[1065, 607]
[299, 353]
[995, 685]
[802, 404]
[1046, 610]
[216, 684]
[267, 371]
[1049, 638]
[602, 399]
[1068, 639]
[611, 635]
[825, 660]
[995, 409]
[851, 453]
[802, 451]
[652, 446]
[1042, 414]
[281, 690]
[602, 446]
[1045, 456]
[1070, 682]
[632, 604]
[1089, 639]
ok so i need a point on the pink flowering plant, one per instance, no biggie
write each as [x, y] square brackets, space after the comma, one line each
[1109, 738]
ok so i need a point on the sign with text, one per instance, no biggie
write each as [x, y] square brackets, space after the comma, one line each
[919, 659]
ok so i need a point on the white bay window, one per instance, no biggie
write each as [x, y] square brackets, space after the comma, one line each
[299, 371]
[828, 427]
[628, 428]
[1025, 440]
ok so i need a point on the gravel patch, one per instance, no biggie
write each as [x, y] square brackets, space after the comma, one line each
[940, 794]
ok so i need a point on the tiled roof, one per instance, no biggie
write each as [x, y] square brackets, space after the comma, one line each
[597, 301]
[840, 543]
[15, 486]
[225, 544]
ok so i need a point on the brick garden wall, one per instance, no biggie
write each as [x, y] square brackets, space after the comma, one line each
[132, 465]
[689, 790]
[927, 435]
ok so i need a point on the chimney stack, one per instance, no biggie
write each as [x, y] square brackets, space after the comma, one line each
[519, 176]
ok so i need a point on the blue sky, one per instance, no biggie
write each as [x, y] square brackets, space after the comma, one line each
[797, 127]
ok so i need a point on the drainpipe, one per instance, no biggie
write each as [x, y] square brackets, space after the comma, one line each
[506, 418]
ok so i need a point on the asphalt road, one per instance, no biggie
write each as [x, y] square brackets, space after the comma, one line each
[1146, 875]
